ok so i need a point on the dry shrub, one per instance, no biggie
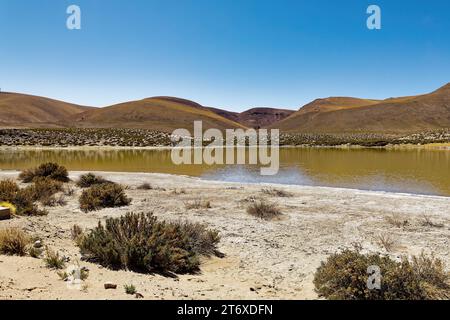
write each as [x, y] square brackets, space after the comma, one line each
[22, 199]
[108, 195]
[43, 189]
[397, 221]
[49, 170]
[53, 260]
[264, 210]
[197, 204]
[145, 186]
[344, 276]
[140, 242]
[89, 179]
[386, 241]
[14, 241]
[427, 222]
[277, 193]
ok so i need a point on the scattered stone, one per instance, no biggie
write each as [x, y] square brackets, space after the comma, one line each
[37, 244]
[110, 285]
[139, 296]
[5, 213]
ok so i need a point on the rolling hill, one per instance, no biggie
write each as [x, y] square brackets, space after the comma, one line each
[157, 113]
[255, 117]
[394, 115]
[21, 110]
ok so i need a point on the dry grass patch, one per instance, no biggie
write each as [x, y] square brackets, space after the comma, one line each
[386, 241]
[427, 222]
[264, 210]
[277, 193]
[344, 276]
[197, 204]
[397, 221]
[14, 241]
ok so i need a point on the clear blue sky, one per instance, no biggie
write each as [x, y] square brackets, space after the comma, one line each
[223, 53]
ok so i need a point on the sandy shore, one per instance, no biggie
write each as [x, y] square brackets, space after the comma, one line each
[263, 260]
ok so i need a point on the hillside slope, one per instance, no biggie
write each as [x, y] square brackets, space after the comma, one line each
[26, 110]
[405, 114]
[157, 113]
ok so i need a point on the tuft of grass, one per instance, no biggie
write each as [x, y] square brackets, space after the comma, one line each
[130, 289]
[14, 241]
[46, 170]
[89, 179]
[140, 242]
[53, 260]
[277, 193]
[397, 221]
[344, 276]
[427, 222]
[100, 196]
[386, 241]
[197, 204]
[264, 210]
[145, 186]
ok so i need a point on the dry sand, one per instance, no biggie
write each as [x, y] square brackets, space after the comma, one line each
[263, 259]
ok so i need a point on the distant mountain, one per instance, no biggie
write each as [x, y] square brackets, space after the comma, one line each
[343, 114]
[256, 117]
[21, 110]
[157, 113]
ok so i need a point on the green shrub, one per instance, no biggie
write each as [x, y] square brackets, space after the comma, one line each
[130, 289]
[50, 170]
[53, 260]
[14, 241]
[344, 277]
[141, 243]
[264, 210]
[89, 179]
[103, 196]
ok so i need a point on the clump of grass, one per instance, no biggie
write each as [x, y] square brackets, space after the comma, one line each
[277, 193]
[145, 186]
[100, 196]
[8, 190]
[397, 221]
[141, 243]
[197, 204]
[427, 222]
[53, 260]
[49, 170]
[264, 210]
[43, 189]
[13, 241]
[76, 233]
[89, 179]
[344, 276]
[130, 289]
[386, 241]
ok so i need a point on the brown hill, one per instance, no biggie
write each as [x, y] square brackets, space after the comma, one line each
[157, 113]
[405, 114]
[21, 110]
[256, 117]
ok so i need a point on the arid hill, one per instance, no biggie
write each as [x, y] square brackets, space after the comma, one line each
[405, 114]
[255, 117]
[21, 110]
[158, 113]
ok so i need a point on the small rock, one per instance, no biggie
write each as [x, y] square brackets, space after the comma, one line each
[37, 244]
[139, 296]
[110, 285]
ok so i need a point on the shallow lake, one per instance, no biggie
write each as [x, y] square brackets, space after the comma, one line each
[419, 171]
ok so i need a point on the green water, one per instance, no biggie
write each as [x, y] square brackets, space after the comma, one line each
[413, 171]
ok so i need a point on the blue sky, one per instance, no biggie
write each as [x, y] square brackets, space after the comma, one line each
[223, 53]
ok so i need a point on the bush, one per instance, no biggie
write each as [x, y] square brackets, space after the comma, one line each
[43, 189]
[130, 289]
[344, 277]
[103, 196]
[198, 204]
[264, 210]
[21, 199]
[50, 170]
[53, 260]
[89, 179]
[14, 241]
[141, 243]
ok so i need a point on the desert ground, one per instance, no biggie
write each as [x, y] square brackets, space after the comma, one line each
[262, 259]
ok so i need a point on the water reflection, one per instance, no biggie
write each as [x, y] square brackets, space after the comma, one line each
[415, 171]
